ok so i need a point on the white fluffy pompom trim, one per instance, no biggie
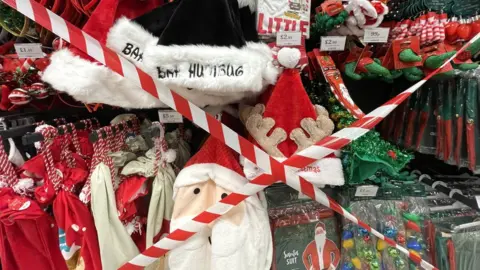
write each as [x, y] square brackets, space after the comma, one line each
[288, 57]
[170, 155]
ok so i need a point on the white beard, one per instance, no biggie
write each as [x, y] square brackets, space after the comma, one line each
[320, 243]
[246, 246]
[195, 252]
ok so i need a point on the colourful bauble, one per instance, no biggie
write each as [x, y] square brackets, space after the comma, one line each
[399, 263]
[401, 239]
[390, 232]
[413, 226]
[381, 244]
[348, 266]
[366, 238]
[414, 252]
[363, 231]
[347, 235]
[368, 254]
[412, 217]
[374, 265]
[413, 244]
[357, 263]
[348, 244]
[393, 252]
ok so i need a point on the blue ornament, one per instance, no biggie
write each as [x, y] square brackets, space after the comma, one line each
[413, 244]
[363, 231]
[390, 232]
[348, 266]
[347, 235]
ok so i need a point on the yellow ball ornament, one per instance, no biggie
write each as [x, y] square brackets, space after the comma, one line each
[348, 244]
[381, 245]
[357, 263]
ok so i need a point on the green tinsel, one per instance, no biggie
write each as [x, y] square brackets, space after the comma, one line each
[324, 23]
[369, 157]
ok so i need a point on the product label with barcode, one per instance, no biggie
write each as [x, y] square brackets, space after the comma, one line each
[170, 117]
[289, 39]
[376, 35]
[29, 50]
[366, 191]
[333, 43]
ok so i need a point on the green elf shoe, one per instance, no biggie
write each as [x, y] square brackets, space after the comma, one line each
[413, 74]
[409, 56]
[465, 66]
[435, 61]
[369, 69]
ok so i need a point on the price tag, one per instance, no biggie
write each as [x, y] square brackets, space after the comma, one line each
[170, 117]
[29, 50]
[366, 191]
[376, 35]
[289, 39]
[332, 43]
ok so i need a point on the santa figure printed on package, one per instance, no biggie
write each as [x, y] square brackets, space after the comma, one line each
[321, 253]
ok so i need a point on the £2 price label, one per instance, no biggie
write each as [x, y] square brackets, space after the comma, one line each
[332, 43]
[289, 39]
[29, 50]
[376, 35]
[366, 191]
[167, 117]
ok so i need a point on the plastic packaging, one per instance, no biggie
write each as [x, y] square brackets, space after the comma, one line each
[305, 233]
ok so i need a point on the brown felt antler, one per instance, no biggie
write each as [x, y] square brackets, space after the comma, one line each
[316, 129]
[259, 127]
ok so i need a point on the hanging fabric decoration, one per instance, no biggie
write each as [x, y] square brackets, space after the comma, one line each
[116, 246]
[23, 221]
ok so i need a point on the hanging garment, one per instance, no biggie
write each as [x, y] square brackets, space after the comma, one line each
[161, 205]
[78, 236]
[116, 245]
[160, 210]
[28, 236]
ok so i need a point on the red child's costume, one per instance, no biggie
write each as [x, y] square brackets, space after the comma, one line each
[331, 256]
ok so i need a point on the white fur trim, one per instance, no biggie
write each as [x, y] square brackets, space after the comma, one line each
[226, 70]
[252, 4]
[125, 32]
[198, 173]
[288, 57]
[327, 171]
[94, 83]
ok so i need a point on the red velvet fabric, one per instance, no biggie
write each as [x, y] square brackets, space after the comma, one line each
[28, 236]
[128, 191]
[76, 221]
[288, 104]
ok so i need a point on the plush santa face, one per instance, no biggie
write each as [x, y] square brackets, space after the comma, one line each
[193, 199]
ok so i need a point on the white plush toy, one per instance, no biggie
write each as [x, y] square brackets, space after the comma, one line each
[363, 14]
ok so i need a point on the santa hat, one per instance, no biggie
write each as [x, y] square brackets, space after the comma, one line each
[197, 48]
[288, 122]
[320, 225]
[216, 162]
[91, 82]
[199, 45]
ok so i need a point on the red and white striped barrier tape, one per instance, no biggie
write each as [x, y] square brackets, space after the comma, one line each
[120, 65]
